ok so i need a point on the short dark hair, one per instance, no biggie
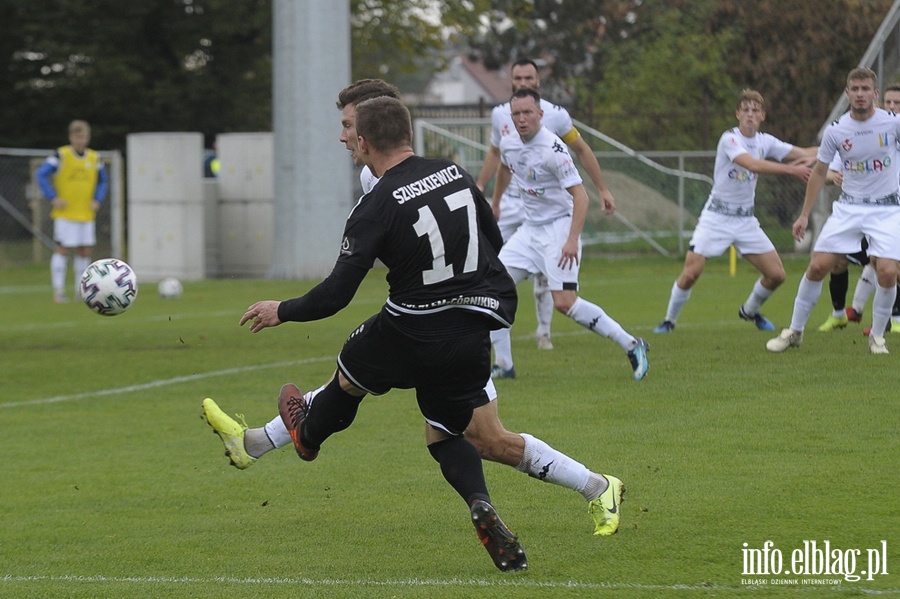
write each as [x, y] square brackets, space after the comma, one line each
[366, 89]
[527, 92]
[522, 62]
[384, 122]
[893, 87]
[862, 73]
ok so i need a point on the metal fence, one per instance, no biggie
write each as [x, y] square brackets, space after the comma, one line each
[659, 195]
[26, 230]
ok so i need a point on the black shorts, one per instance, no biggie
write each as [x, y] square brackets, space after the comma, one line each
[862, 256]
[449, 373]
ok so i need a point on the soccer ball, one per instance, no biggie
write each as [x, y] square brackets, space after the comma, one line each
[108, 286]
[170, 288]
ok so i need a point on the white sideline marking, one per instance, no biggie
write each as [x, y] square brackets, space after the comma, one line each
[161, 383]
[419, 582]
[186, 379]
[104, 321]
[15, 289]
[215, 373]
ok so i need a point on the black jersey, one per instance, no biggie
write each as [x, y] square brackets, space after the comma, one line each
[432, 227]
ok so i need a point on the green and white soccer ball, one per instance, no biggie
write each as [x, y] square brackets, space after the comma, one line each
[109, 286]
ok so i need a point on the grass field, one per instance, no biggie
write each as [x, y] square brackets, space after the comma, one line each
[114, 487]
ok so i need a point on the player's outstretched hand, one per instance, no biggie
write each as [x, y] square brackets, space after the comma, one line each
[800, 171]
[261, 314]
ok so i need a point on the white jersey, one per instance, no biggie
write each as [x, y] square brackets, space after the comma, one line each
[835, 164]
[868, 157]
[557, 119]
[542, 170]
[734, 187]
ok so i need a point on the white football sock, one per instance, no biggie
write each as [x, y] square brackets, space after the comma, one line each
[549, 465]
[807, 295]
[882, 306]
[502, 344]
[500, 339]
[592, 317]
[865, 287]
[58, 266]
[79, 265]
[543, 304]
[257, 442]
[757, 298]
[597, 484]
[678, 297]
[277, 433]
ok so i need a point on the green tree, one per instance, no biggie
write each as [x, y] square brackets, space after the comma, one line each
[395, 39]
[575, 35]
[176, 65]
[663, 86]
[663, 74]
[797, 54]
[153, 65]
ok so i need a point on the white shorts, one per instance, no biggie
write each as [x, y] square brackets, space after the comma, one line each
[848, 222]
[537, 249]
[73, 234]
[715, 232]
[512, 214]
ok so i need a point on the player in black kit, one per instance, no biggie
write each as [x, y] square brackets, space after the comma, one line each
[430, 225]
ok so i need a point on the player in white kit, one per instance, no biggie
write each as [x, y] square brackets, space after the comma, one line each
[524, 73]
[727, 218]
[869, 204]
[839, 281]
[549, 241]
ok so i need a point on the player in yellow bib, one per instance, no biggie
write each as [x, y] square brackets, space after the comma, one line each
[75, 183]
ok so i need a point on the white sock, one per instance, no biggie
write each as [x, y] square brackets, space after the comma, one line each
[543, 304]
[865, 287]
[502, 344]
[597, 484]
[58, 266]
[807, 295]
[549, 465]
[277, 432]
[592, 317]
[677, 299]
[757, 298]
[79, 265]
[500, 339]
[882, 306]
[257, 442]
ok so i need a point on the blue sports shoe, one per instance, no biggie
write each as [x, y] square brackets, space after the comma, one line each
[762, 323]
[666, 326]
[501, 373]
[638, 359]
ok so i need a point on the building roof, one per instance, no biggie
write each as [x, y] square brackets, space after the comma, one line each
[466, 81]
[497, 83]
